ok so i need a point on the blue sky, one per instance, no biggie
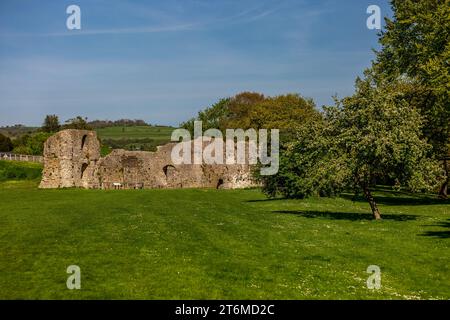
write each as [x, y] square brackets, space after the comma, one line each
[163, 61]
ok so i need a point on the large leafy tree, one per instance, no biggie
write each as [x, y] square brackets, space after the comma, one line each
[371, 135]
[254, 110]
[213, 117]
[282, 112]
[416, 46]
[241, 108]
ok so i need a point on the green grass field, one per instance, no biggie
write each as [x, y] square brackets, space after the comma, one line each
[136, 132]
[227, 244]
[145, 138]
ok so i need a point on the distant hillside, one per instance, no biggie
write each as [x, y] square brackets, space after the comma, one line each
[97, 124]
[136, 132]
[17, 130]
[135, 137]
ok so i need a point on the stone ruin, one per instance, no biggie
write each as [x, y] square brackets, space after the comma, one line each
[72, 159]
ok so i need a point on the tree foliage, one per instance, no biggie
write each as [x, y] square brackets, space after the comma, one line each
[32, 144]
[51, 123]
[78, 122]
[5, 143]
[373, 134]
[254, 110]
[213, 117]
[416, 46]
[97, 124]
[393, 128]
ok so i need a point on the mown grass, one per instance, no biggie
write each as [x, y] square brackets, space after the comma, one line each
[227, 244]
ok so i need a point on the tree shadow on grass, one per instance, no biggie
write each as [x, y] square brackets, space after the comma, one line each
[396, 200]
[443, 234]
[266, 200]
[350, 216]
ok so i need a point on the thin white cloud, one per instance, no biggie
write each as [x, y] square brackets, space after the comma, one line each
[82, 32]
[245, 16]
[180, 27]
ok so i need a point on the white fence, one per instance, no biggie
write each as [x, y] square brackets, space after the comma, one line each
[21, 157]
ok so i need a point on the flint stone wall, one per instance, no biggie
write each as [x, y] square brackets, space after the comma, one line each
[72, 159]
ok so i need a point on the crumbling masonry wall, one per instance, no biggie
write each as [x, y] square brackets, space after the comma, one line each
[72, 159]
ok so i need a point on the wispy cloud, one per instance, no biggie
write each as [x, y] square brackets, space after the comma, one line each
[244, 16]
[175, 56]
[248, 15]
[157, 29]
[84, 32]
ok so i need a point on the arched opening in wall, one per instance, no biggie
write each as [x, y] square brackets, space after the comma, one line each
[83, 169]
[83, 141]
[219, 184]
[169, 171]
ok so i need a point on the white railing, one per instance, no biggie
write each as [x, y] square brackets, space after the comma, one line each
[21, 157]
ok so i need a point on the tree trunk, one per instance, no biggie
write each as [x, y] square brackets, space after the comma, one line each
[444, 188]
[373, 205]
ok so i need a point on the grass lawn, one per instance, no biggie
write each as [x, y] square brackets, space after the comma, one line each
[227, 244]
[136, 132]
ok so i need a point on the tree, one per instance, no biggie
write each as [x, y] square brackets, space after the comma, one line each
[51, 123]
[5, 143]
[32, 144]
[416, 46]
[372, 134]
[282, 112]
[241, 107]
[254, 110]
[213, 117]
[79, 123]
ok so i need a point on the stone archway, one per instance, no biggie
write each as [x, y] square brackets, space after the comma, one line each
[169, 171]
[220, 184]
[83, 141]
[83, 169]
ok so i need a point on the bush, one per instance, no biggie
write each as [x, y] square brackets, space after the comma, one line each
[13, 170]
[5, 143]
[31, 144]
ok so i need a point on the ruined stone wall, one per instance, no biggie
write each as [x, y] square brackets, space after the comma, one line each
[72, 159]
